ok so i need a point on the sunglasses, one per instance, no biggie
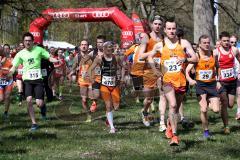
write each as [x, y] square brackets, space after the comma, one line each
[233, 42]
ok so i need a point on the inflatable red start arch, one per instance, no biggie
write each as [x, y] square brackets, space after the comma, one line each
[113, 14]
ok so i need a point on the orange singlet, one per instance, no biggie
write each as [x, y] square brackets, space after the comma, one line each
[149, 78]
[173, 73]
[205, 70]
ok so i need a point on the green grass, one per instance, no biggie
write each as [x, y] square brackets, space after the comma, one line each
[66, 136]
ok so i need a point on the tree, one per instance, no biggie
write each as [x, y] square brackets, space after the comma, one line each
[203, 19]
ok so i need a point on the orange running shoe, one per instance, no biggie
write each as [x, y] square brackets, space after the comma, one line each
[168, 131]
[174, 141]
[93, 107]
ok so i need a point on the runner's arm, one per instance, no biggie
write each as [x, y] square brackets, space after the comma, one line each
[152, 64]
[190, 51]
[75, 65]
[188, 70]
[96, 62]
[215, 55]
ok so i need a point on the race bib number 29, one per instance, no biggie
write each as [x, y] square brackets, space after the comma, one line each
[205, 74]
[109, 81]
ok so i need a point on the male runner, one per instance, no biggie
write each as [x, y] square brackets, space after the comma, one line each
[30, 57]
[205, 82]
[225, 56]
[173, 57]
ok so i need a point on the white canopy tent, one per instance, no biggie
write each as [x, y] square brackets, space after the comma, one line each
[58, 44]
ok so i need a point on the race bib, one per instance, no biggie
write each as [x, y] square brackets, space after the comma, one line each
[20, 71]
[44, 72]
[83, 73]
[227, 73]
[34, 74]
[59, 71]
[98, 71]
[109, 81]
[172, 66]
[205, 74]
[4, 82]
[157, 60]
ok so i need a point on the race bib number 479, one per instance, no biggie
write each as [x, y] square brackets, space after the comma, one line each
[34, 74]
[205, 74]
[109, 81]
[172, 66]
[227, 73]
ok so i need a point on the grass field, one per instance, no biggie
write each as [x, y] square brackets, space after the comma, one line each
[66, 136]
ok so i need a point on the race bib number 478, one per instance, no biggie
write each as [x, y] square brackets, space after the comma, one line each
[109, 81]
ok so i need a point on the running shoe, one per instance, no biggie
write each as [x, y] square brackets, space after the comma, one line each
[60, 98]
[145, 119]
[206, 134]
[34, 127]
[162, 128]
[112, 130]
[237, 116]
[226, 130]
[185, 123]
[93, 107]
[169, 133]
[89, 119]
[174, 141]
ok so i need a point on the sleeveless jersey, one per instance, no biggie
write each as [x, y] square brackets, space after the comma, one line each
[226, 66]
[173, 73]
[205, 70]
[109, 72]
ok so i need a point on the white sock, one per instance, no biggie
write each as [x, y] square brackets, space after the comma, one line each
[238, 110]
[162, 119]
[110, 119]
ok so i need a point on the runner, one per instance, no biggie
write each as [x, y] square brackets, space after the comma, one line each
[19, 80]
[69, 64]
[59, 73]
[226, 85]
[97, 52]
[233, 42]
[31, 57]
[81, 64]
[110, 86]
[173, 57]
[136, 68]
[149, 77]
[6, 85]
[205, 82]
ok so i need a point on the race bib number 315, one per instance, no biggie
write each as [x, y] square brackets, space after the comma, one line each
[205, 74]
[109, 81]
[34, 74]
[172, 66]
[227, 73]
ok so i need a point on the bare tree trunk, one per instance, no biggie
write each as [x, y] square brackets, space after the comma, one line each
[143, 9]
[86, 31]
[203, 19]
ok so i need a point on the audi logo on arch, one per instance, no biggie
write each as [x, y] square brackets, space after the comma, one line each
[101, 14]
[36, 34]
[127, 33]
[57, 15]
